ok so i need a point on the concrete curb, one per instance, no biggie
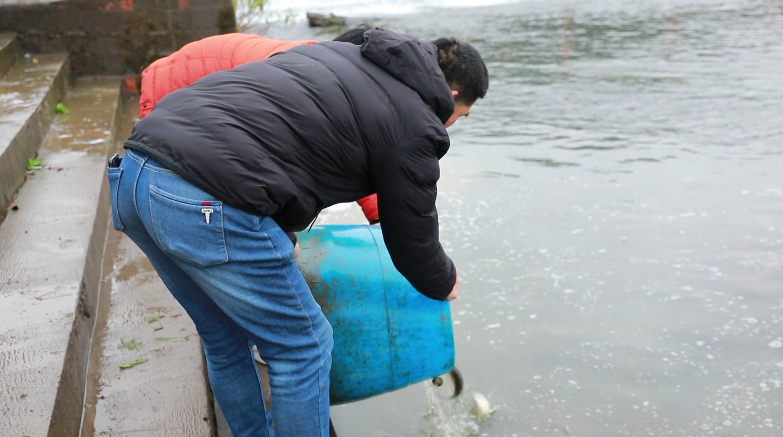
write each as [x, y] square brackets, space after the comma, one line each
[36, 85]
[9, 52]
[52, 268]
[166, 396]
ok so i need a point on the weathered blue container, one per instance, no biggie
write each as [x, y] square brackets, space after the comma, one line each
[387, 335]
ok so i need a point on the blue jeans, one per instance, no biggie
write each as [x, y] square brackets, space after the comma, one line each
[235, 276]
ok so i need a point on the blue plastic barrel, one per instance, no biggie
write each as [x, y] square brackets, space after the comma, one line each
[387, 335]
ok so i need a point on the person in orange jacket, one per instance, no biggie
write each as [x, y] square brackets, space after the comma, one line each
[225, 52]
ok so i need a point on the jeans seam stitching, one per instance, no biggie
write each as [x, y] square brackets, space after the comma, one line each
[152, 218]
[317, 339]
[160, 170]
[115, 194]
[223, 234]
[312, 332]
[179, 199]
[261, 388]
[136, 185]
[277, 251]
[150, 167]
[134, 157]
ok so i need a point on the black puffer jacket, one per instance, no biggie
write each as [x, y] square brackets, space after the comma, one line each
[315, 126]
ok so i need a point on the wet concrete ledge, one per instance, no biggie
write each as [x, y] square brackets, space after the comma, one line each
[28, 96]
[51, 268]
[113, 36]
[9, 52]
[25, 2]
[166, 396]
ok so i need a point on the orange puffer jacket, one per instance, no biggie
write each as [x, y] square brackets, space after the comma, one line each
[200, 58]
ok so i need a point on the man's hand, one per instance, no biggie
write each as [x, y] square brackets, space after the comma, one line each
[455, 290]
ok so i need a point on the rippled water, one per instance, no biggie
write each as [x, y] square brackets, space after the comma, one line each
[615, 209]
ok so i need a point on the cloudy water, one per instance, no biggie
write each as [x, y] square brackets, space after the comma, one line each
[615, 210]
[363, 8]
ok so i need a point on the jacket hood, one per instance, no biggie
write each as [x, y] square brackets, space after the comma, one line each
[412, 62]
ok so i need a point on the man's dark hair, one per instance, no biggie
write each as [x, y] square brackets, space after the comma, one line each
[464, 69]
[354, 36]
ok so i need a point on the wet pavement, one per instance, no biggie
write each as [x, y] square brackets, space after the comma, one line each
[28, 94]
[9, 51]
[138, 321]
[166, 393]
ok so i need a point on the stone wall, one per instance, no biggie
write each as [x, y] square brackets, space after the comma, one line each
[113, 36]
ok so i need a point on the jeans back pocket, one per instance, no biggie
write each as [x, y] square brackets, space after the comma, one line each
[114, 187]
[189, 229]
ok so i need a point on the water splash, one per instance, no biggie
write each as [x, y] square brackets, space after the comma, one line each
[463, 416]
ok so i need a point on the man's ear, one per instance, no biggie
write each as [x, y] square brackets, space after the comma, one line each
[454, 93]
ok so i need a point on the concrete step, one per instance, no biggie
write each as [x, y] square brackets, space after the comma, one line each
[165, 396]
[50, 268]
[9, 52]
[28, 96]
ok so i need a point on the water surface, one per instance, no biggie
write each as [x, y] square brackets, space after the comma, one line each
[614, 209]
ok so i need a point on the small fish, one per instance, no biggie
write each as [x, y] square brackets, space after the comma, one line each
[482, 409]
[456, 377]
